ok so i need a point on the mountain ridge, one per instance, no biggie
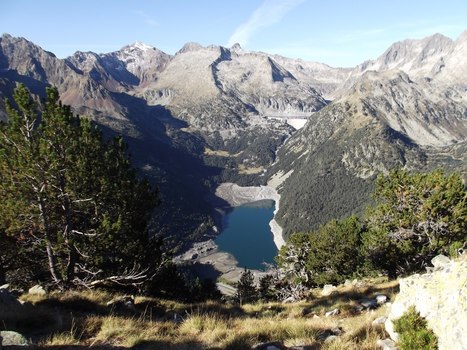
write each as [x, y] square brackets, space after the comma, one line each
[223, 112]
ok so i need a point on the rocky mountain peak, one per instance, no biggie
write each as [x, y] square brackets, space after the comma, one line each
[414, 56]
[139, 46]
[189, 47]
[279, 73]
[10, 45]
[82, 61]
[236, 47]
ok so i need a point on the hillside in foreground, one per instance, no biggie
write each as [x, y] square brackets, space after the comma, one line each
[85, 319]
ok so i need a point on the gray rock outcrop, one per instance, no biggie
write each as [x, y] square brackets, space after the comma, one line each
[10, 338]
[441, 298]
[328, 289]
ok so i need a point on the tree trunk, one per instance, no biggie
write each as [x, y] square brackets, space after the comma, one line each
[67, 232]
[52, 261]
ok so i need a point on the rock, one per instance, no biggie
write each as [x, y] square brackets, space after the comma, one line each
[37, 290]
[125, 302]
[332, 312]
[328, 333]
[337, 330]
[357, 309]
[306, 311]
[379, 321]
[440, 261]
[386, 344]
[441, 298]
[270, 346]
[330, 339]
[369, 304]
[347, 283]
[328, 289]
[5, 286]
[10, 338]
[381, 299]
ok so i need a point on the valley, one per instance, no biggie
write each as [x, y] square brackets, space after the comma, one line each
[316, 135]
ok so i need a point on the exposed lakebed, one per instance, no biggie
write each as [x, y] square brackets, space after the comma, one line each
[207, 259]
[247, 234]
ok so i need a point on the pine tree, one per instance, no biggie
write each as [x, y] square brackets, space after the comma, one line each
[417, 217]
[329, 255]
[71, 198]
[246, 290]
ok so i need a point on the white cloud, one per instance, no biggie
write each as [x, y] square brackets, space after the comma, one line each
[148, 20]
[269, 13]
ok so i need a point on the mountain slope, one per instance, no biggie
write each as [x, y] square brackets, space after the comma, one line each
[177, 112]
[383, 120]
[211, 114]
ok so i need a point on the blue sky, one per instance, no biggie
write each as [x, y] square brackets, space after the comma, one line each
[336, 32]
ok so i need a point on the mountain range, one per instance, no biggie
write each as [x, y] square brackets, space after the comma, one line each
[213, 114]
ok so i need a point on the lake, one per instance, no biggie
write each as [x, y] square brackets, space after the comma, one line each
[247, 235]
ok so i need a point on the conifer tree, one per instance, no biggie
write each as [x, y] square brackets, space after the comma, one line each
[246, 290]
[417, 217]
[71, 198]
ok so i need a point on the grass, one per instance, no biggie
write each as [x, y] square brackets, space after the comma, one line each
[83, 320]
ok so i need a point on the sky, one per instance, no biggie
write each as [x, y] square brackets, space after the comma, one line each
[341, 33]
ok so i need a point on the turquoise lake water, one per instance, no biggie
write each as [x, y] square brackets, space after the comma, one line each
[247, 234]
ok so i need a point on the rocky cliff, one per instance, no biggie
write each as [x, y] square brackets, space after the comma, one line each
[440, 297]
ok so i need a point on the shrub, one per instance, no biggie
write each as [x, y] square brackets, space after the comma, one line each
[329, 255]
[413, 332]
[416, 217]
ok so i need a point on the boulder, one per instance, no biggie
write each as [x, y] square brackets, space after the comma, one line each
[37, 290]
[381, 299]
[328, 289]
[441, 298]
[368, 304]
[440, 261]
[10, 338]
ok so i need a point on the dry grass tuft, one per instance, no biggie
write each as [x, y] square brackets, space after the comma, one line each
[83, 319]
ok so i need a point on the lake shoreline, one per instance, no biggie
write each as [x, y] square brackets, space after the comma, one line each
[236, 195]
[206, 254]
